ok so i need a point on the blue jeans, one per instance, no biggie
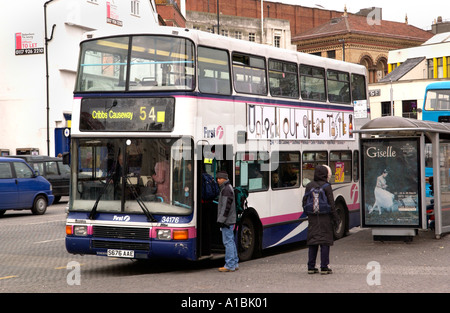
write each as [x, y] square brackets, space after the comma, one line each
[231, 256]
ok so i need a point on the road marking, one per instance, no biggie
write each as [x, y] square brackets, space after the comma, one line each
[8, 277]
[45, 241]
[64, 267]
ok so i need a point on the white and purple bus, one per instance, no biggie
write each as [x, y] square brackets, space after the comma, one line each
[154, 111]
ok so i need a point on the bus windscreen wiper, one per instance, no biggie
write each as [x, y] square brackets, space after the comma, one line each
[141, 203]
[108, 180]
[94, 208]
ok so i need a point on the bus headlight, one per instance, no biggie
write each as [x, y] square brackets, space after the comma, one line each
[80, 230]
[164, 234]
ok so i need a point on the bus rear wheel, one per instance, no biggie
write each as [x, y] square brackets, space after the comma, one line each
[246, 239]
[339, 230]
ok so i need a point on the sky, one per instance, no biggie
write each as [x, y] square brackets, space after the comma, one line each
[420, 14]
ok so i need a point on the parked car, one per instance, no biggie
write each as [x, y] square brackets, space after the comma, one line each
[53, 169]
[23, 188]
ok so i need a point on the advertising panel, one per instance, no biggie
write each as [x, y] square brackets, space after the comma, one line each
[290, 123]
[390, 182]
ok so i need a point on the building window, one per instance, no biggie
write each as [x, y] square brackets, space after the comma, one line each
[238, 35]
[210, 30]
[277, 41]
[331, 54]
[135, 7]
[440, 68]
[409, 108]
[386, 108]
[252, 37]
[224, 32]
[430, 66]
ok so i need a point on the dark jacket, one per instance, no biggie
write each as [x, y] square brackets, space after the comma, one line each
[226, 208]
[321, 226]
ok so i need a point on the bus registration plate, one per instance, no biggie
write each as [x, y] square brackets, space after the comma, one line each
[120, 253]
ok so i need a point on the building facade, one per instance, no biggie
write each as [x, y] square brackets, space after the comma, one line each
[39, 68]
[275, 32]
[300, 18]
[402, 91]
[361, 39]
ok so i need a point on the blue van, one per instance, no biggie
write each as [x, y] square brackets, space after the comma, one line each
[22, 188]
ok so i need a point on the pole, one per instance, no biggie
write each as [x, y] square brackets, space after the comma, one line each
[218, 27]
[262, 22]
[392, 100]
[46, 73]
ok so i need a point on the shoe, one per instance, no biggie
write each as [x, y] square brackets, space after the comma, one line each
[325, 271]
[224, 269]
[313, 271]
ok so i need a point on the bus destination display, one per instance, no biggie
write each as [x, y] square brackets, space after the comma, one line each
[127, 114]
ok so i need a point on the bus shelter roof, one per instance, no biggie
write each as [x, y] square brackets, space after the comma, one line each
[404, 126]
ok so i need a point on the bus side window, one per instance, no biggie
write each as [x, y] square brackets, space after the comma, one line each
[338, 86]
[310, 160]
[213, 71]
[312, 83]
[283, 79]
[252, 170]
[249, 74]
[285, 170]
[358, 87]
[341, 166]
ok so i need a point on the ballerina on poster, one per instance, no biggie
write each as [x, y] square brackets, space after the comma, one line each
[383, 198]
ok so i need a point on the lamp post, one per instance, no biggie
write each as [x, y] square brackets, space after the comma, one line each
[47, 40]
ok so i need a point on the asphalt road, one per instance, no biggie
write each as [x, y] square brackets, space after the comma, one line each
[33, 259]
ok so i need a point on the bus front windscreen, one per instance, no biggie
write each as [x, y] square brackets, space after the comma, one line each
[437, 100]
[138, 63]
[133, 175]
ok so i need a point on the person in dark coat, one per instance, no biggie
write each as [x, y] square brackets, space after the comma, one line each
[321, 226]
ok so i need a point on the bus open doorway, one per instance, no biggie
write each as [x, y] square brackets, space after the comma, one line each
[209, 236]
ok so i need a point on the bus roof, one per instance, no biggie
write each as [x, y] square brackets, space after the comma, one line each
[238, 45]
[439, 85]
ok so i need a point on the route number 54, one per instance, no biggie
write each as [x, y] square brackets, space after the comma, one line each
[143, 113]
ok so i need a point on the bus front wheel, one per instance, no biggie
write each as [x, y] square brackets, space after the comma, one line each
[246, 239]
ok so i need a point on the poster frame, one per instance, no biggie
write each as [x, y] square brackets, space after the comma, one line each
[418, 142]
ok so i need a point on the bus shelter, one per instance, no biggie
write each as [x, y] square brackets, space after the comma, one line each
[398, 156]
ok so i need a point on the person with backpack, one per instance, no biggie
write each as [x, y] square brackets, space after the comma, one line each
[321, 220]
[226, 218]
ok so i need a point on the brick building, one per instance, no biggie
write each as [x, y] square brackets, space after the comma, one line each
[300, 18]
[360, 39]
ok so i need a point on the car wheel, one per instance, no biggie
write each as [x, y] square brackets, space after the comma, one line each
[40, 205]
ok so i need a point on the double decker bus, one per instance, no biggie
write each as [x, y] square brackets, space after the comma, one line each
[154, 111]
[436, 108]
[436, 105]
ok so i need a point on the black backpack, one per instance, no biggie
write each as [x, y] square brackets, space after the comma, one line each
[316, 201]
[210, 188]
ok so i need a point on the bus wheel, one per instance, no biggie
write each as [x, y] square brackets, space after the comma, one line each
[339, 230]
[39, 206]
[246, 239]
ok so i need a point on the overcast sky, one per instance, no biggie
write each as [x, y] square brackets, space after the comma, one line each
[420, 14]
